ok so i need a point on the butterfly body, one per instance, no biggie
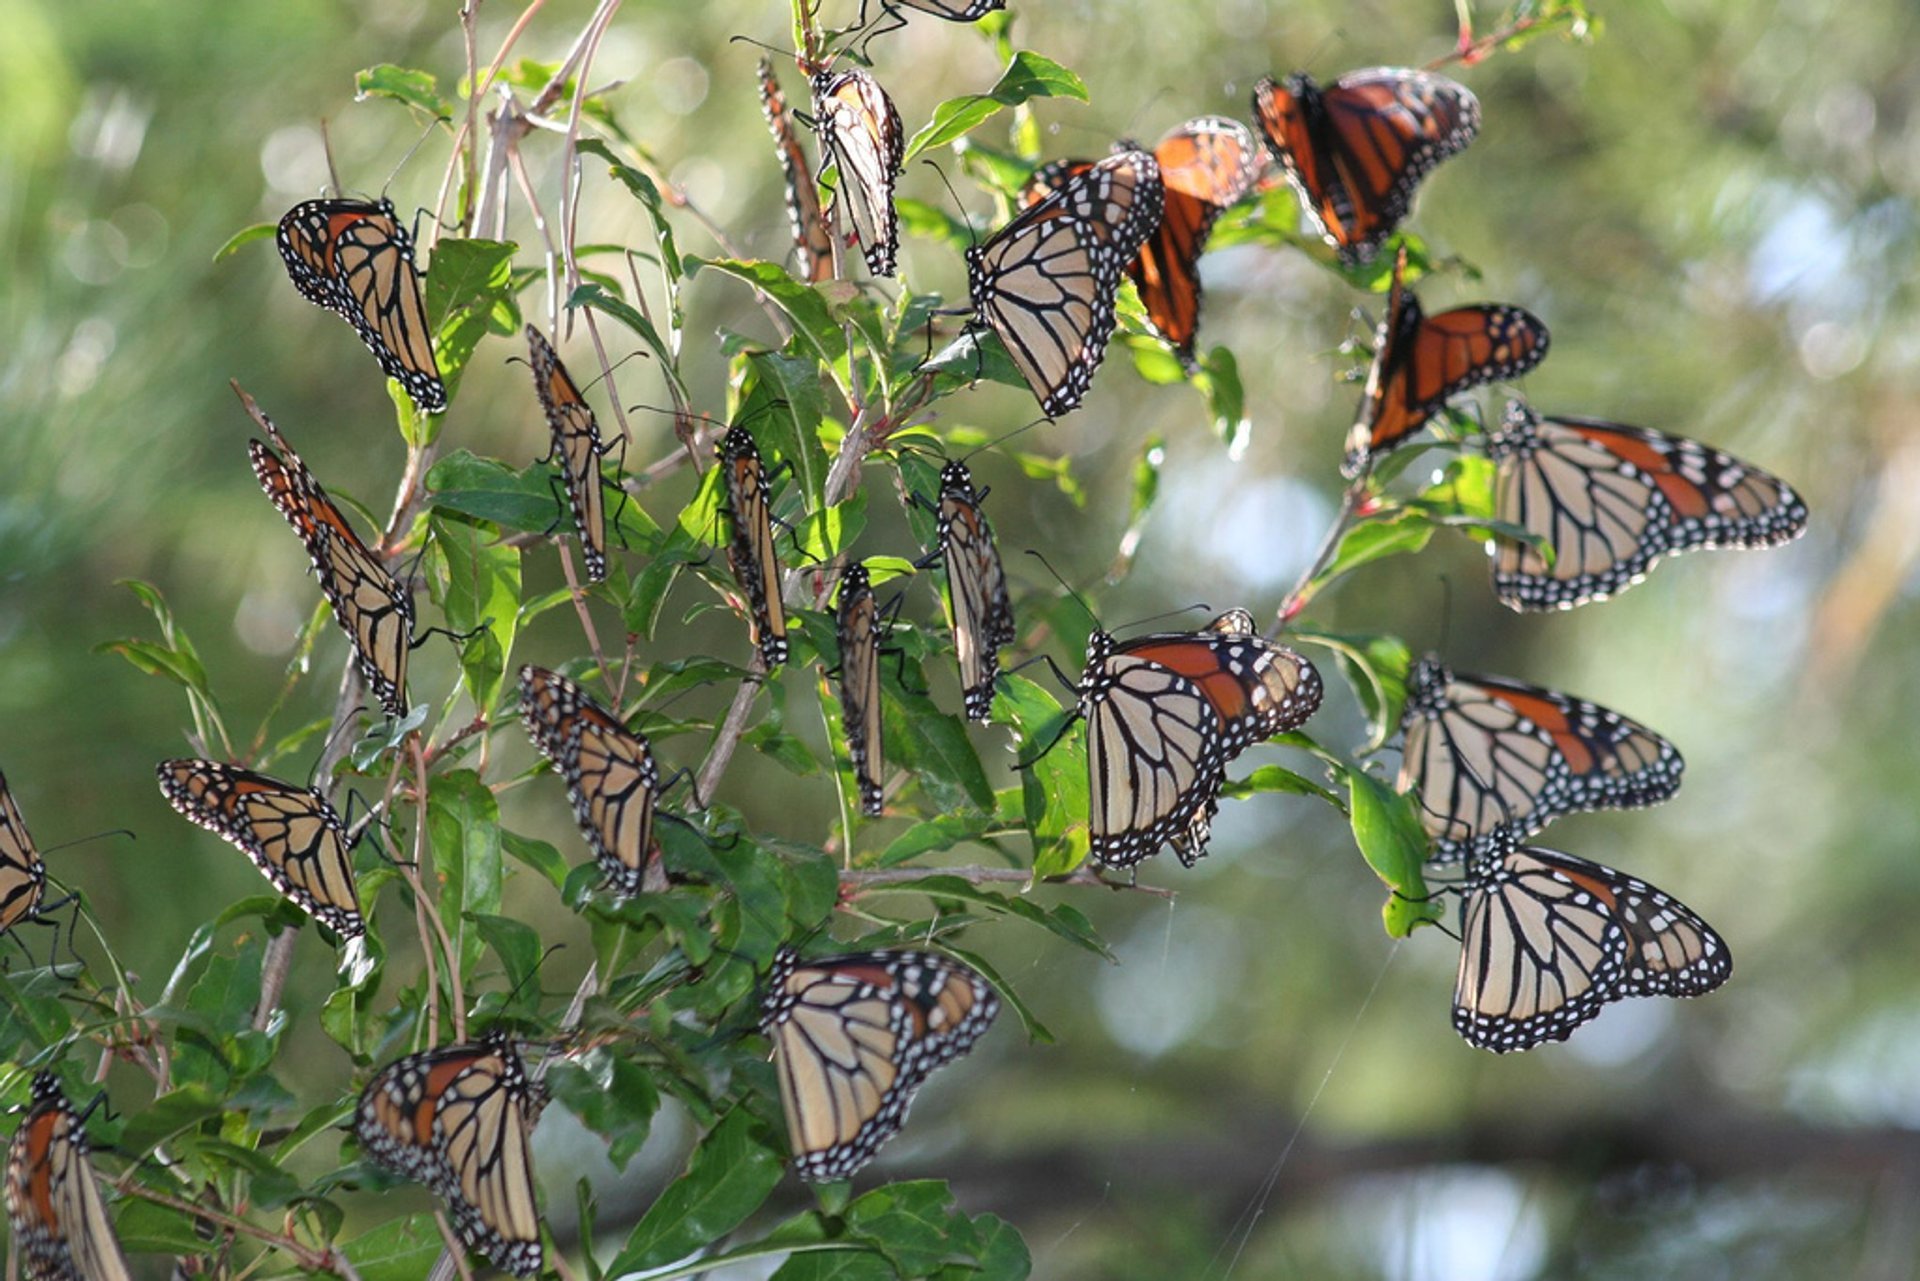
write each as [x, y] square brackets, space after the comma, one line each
[457, 1119]
[1484, 753]
[855, 1036]
[1548, 940]
[861, 134]
[1165, 716]
[290, 833]
[354, 258]
[1611, 500]
[1045, 282]
[577, 444]
[1355, 150]
[59, 1222]
[610, 772]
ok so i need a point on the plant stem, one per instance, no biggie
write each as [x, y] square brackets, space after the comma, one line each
[1303, 588]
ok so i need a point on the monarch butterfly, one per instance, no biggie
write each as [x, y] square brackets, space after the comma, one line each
[457, 1120]
[981, 611]
[855, 1037]
[353, 257]
[1045, 282]
[1548, 939]
[858, 627]
[811, 243]
[23, 876]
[750, 550]
[1484, 753]
[611, 776]
[952, 10]
[1611, 500]
[53, 1200]
[370, 605]
[1165, 715]
[1421, 361]
[292, 835]
[1205, 165]
[861, 136]
[1355, 150]
[576, 440]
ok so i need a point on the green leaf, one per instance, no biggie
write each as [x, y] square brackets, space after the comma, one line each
[612, 1095]
[1218, 379]
[1062, 919]
[1376, 666]
[1027, 77]
[1272, 778]
[516, 943]
[1054, 783]
[728, 1177]
[1395, 846]
[463, 829]
[783, 403]
[935, 745]
[468, 292]
[481, 594]
[403, 84]
[942, 832]
[648, 194]
[401, 1249]
[488, 490]
[837, 1263]
[245, 236]
[601, 300]
[1369, 541]
[802, 303]
[909, 1222]
[1144, 490]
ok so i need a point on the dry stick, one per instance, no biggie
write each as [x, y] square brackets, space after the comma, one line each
[1473, 51]
[464, 132]
[312, 1260]
[1296, 600]
[433, 914]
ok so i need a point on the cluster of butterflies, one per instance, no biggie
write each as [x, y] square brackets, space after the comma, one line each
[1548, 938]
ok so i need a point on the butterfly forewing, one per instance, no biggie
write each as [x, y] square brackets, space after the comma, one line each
[1549, 939]
[751, 553]
[854, 1037]
[858, 626]
[1483, 753]
[353, 257]
[1205, 166]
[1165, 716]
[981, 610]
[1420, 362]
[1356, 150]
[860, 134]
[292, 835]
[812, 245]
[577, 444]
[457, 1119]
[1045, 283]
[610, 772]
[1610, 500]
[55, 1212]
[371, 606]
[23, 876]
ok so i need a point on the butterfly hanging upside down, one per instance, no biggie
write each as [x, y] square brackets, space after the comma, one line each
[1166, 714]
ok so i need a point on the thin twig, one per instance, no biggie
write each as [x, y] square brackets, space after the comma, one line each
[728, 738]
[974, 874]
[313, 1260]
[1296, 600]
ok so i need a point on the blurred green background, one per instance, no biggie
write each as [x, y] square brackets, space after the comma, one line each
[1713, 206]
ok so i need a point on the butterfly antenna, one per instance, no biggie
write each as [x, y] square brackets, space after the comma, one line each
[1078, 598]
[1002, 439]
[97, 836]
[418, 143]
[326, 147]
